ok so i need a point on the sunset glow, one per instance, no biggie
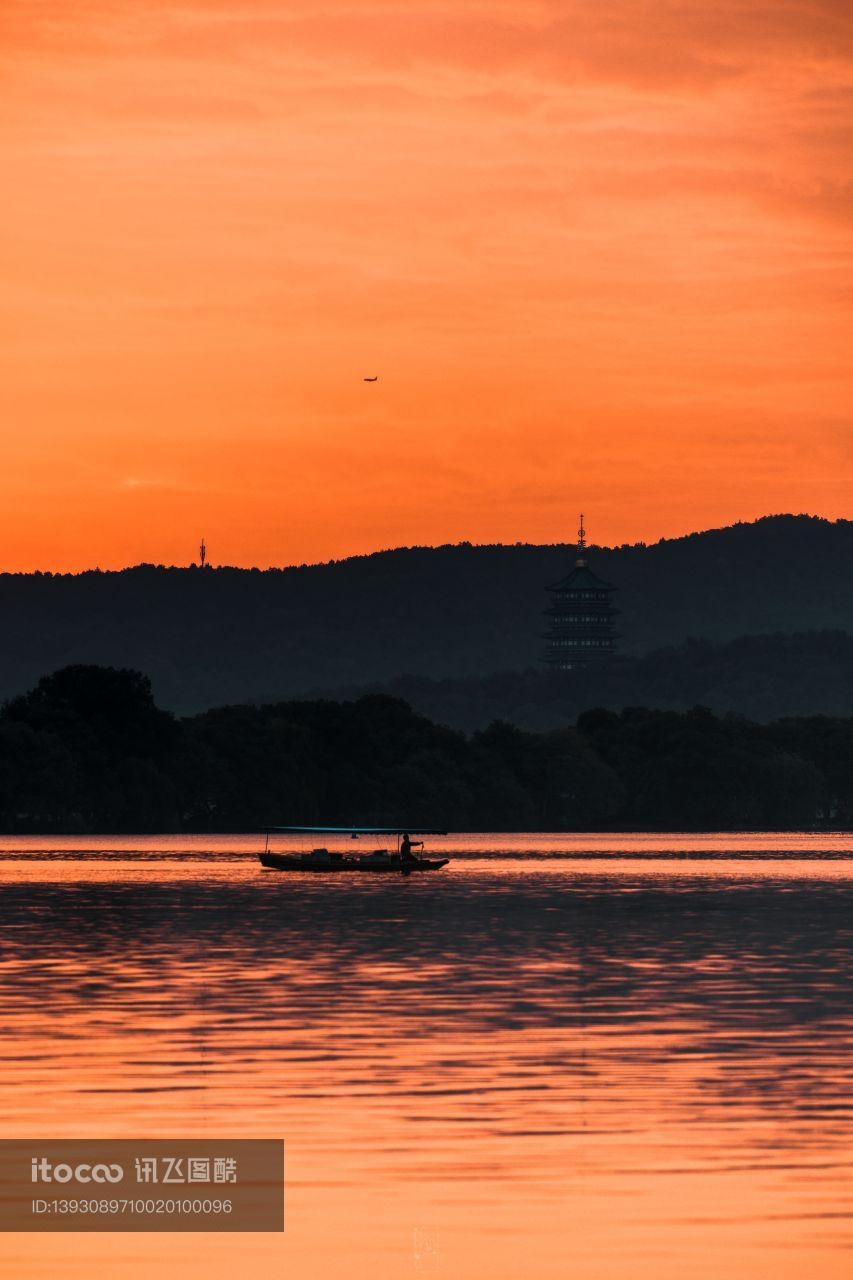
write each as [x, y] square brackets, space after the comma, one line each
[598, 255]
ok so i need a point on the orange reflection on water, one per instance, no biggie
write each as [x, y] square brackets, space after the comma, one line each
[520, 1066]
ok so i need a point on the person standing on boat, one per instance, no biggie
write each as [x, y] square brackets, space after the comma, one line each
[406, 847]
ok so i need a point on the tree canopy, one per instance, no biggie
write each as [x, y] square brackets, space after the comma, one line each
[87, 750]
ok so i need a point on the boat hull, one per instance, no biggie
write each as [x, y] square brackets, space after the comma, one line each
[338, 866]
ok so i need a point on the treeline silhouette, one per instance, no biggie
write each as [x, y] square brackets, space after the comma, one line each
[213, 636]
[87, 750]
[761, 677]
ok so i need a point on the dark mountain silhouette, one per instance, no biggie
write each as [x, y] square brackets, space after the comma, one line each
[214, 636]
[762, 677]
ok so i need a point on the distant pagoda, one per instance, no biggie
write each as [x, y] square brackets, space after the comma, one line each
[581, 616]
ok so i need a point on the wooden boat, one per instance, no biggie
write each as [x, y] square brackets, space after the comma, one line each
[400, 861]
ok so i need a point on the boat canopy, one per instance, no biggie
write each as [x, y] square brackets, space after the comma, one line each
[357, 831]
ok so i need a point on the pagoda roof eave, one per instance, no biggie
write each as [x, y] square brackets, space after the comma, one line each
[589, 581]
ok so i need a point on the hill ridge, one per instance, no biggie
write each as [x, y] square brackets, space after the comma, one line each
[225, 635]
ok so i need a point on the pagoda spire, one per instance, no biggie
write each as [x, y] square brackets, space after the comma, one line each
[581, 560]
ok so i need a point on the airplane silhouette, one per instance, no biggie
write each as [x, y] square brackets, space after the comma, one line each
[371, 379]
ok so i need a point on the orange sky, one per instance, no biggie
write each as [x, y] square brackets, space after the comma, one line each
[598, 251]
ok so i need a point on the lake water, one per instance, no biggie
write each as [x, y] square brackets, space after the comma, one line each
[601, 1056]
